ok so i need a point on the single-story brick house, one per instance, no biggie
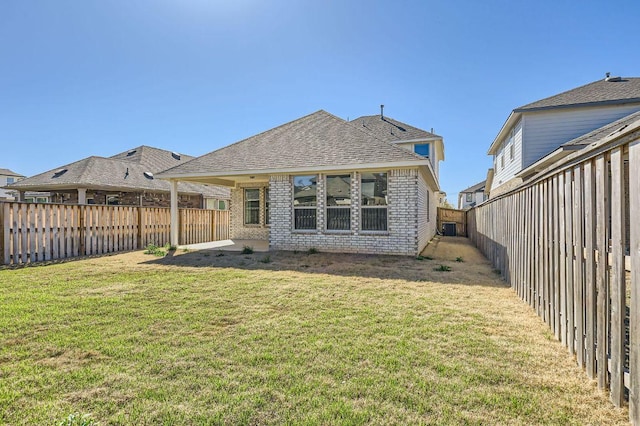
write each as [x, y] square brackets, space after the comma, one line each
[368, 185]
[127, 178]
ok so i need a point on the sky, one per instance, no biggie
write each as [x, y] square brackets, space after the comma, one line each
[92, 77]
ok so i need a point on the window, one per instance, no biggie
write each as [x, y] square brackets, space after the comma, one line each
[468, 197]
[29, 199]
[266, 206]
[374, 201]
[421, 149]
[511, 152]
[113, 199]
[304, 202]
[252, 206]
[222, 205]
[338, 190]
[502, 161]
[10, 180]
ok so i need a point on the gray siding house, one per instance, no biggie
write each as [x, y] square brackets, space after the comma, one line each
[326, 183]
[536, 134]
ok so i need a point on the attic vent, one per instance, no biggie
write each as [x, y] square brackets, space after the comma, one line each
[612, 79]
[130, 153]
[175, 155]
[148, 175]
[59, 172]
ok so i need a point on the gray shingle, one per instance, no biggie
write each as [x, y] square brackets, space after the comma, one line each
[315, 140]
[117, 173]
[475, 188]
[7, 172]
[596, 93]
[391, 130]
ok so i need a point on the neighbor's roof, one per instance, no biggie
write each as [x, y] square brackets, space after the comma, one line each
[117, 173]
[391, 130]
[7, 172]
[318, 140]
[154, 159]
[614, 91]
[476, 188]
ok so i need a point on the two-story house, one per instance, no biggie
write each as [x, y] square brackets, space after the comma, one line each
[537, 133]
[472, 196]
[8, 177]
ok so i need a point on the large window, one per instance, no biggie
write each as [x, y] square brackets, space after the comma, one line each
[10, 180]
[374, 201]
[304, 202]
[252, 206]
[469, 197]
[421, 149]
[338, 190]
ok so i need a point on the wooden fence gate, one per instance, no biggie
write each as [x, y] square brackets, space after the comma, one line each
[568, 242]
[38, 232]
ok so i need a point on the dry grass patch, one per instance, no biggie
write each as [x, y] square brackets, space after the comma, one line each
[305, 338]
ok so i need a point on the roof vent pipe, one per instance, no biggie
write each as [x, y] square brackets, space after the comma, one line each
[382, 112]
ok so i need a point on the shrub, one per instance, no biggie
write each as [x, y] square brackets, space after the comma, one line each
[247, 250]
[442, 268]
[459, 259]
[155, 250]
[266, 259]
[418, 257]
[313, 250]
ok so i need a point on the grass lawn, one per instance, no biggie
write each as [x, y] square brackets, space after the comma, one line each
[204, 338]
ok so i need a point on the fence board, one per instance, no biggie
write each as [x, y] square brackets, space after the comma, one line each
[618, 295]
[36, 232]
[634, 252]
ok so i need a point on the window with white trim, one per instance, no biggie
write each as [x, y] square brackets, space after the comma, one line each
[373, 207]
[305, 202]
[338, 189]
[266, 206]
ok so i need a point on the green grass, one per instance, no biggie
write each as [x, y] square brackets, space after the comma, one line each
[153, 344]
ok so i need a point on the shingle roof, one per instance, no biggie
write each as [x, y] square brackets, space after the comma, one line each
[604, 131]
[596, 93]
[155, 159]
[316, 140]
[391, 130]
[116, 173]
[475, 188]
[7, 172]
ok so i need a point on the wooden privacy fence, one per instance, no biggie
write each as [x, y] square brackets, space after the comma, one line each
[458, 217]
[568, 242]
[38, 232]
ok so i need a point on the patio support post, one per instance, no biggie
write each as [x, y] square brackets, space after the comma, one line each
[82, 196]
[174, 213]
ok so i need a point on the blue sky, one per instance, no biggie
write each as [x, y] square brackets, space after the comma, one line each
[89, 77]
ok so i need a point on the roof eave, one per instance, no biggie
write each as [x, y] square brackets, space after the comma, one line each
[510, 122]
[579, 105]
[291, 170]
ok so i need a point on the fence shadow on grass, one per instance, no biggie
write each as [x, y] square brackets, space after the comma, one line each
[471, 269]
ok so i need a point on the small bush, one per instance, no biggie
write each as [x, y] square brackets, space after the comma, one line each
[247, 250]
[313, 250]
[459, 259]
[442, 268]
[155, 250]
[428, 257]
[420, 257]
[219, 254]
[266, 259]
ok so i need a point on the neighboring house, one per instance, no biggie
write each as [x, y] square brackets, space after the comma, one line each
[537, 130]
[322, 182]
[472, 196]
[123, 179]
[8, 177]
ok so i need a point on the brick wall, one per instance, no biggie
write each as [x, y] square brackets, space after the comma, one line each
[406, 235]
[238, 229]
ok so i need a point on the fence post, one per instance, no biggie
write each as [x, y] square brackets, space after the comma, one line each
[634, 251]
